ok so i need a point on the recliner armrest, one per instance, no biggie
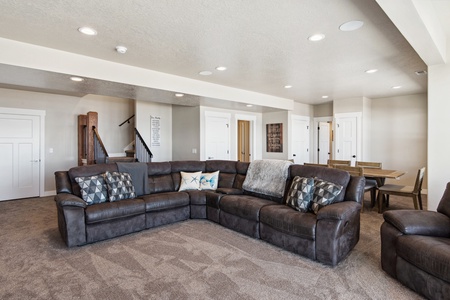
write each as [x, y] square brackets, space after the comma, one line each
[69, 200]
[338, 211]
[419, 222]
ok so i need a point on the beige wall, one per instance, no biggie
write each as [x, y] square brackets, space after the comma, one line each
[61, 125]
[323, 110]
[186, 133]
[399, 134]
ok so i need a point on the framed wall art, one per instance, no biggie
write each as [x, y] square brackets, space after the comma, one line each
[274, 137]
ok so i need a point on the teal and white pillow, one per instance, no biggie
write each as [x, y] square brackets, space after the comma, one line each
[300, 193]
[190, 181]
[209, 181]
[324, 194]
[93, 189]
[120, 186]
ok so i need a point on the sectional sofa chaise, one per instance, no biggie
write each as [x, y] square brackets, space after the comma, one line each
[326, 236]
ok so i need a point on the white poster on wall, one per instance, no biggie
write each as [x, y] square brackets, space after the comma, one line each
[155, 131]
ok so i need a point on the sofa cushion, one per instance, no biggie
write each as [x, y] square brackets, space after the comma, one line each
[197, 197]
[120, 186]
[163, 201]
[93, 189]
[427, 253]
[289, 221]
[190, 181]
[89, 170]
[325, 193]
[209, 181]
[230, 191]
[113, 210]
[300, 193]
[244, 206]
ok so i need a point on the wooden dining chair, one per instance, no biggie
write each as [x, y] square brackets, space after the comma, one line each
[359, 171]
[369, 164]
[370, 181]
[333, 162]
[414, 192]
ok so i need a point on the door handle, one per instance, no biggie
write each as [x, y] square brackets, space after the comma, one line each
[354, 156]
[294, 154]
[210, 157]
[36, 160]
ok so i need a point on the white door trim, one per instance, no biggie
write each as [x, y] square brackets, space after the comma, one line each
[41, 115]
[358, 116]
[316, 121]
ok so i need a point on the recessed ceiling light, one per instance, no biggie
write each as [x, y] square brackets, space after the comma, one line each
[325, 97]
[121, 49]
[351, 25]
[371, 71]
[221, 68]
[397, 87]
[316, 37]
[288, 86]
[179, 95]
[77, 79]
[249, 105]
[87, 30]
[205, 73]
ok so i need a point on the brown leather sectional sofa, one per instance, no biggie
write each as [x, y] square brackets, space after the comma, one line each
[326, 237]
[415, 248]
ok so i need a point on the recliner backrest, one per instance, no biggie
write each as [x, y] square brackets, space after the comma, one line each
[444, 204]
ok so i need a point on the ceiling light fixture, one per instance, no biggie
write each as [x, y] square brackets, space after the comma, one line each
[221, 68]
[76, 78]
[288, 86]
[325, 97]
[397, 87]
[121, 49]
[316, 37]
[205, 73]
[249, 105]
[179, 95]
[419, 73]
[371, 71]
[351, 25]
[87, 30]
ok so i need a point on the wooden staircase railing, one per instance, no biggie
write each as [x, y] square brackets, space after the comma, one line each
[143, 153]
[100, 153]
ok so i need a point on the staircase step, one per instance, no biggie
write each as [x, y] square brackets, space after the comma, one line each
[130, 153]
[121, 159]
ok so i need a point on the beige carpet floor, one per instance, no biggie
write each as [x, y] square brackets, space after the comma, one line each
[194, 259]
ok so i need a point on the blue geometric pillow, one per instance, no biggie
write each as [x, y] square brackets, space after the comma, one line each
[93, 189]
[120, 186]
[209, 181]
[324, 194]
[300, 193]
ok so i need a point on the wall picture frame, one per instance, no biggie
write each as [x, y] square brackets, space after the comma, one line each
[274, 137]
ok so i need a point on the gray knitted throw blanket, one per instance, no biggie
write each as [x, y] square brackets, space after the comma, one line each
[267, 177]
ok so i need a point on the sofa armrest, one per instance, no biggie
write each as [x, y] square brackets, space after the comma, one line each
[419, 222]
[338, 211]
[69, 200]
[337, 231]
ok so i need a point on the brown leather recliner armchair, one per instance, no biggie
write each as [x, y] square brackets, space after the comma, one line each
[415, 248]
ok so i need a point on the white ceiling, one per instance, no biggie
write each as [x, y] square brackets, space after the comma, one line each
[263, 44]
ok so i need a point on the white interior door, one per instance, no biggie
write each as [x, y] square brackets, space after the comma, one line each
[19, 156]
[217, 137]
[346, 137]
[300, 139]
[324, 142]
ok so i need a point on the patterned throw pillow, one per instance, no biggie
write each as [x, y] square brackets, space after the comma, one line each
[209, 181]
[93, 189]
[190, 181]
[300, 193]
[324, 194]
[120, 186]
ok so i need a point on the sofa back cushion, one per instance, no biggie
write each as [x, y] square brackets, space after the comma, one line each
[336, 176]
[185, 166]
[227, 171]
[90, 170]
[241, 170]
[160, 177]
[444, 204]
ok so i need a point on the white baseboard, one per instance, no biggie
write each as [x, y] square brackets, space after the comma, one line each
[49, 193]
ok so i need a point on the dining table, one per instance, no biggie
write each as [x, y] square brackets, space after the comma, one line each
[380, 175]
